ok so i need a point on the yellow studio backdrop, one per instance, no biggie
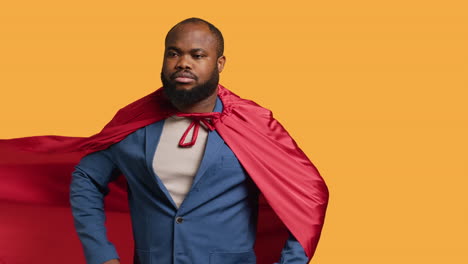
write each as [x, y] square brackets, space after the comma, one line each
[375, 92]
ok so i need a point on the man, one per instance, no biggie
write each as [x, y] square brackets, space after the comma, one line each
[191, 199]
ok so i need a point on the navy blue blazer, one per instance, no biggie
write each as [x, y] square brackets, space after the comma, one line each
[216, 223]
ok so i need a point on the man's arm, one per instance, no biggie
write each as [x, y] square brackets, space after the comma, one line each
[87, 191]
[293, 252]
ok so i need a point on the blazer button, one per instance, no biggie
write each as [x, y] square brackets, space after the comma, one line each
[179, 220]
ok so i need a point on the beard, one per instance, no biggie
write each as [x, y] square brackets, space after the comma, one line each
[189, 97]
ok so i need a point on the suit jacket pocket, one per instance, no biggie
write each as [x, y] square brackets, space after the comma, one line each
[247, 257]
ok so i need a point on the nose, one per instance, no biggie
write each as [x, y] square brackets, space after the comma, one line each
[183, 63]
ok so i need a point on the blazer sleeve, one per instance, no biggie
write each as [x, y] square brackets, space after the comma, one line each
[87, 191]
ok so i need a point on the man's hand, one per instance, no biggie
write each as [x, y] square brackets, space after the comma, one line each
[112, 261]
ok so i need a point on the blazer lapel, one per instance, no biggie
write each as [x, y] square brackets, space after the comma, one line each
[213, 146]
[153, 134]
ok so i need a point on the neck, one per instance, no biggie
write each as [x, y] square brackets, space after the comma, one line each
[204, 106]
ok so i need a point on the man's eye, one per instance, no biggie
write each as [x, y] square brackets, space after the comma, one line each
[198, 56]
[171, 54]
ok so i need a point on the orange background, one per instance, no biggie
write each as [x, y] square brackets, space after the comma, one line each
[375, 92]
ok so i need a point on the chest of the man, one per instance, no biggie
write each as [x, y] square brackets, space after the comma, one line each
[219, 172]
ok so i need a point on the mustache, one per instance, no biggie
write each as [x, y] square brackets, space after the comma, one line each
[184, 74]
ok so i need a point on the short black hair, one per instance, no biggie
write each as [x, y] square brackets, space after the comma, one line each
[213, 29]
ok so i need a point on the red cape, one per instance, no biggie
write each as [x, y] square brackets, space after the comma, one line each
[35, 174]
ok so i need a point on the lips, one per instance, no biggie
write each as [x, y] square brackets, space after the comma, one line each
[183, 77]
[184, 80]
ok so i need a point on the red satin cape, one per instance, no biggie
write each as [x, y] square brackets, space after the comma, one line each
[35, 175]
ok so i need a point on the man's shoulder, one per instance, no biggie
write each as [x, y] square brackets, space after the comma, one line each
[138, 136]
[235, 103]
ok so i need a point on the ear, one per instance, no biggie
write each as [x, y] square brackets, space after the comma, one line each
[221, 61]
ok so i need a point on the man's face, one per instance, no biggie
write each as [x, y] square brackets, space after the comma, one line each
[191, 67]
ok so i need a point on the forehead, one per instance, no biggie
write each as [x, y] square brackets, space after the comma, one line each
[191, 36]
